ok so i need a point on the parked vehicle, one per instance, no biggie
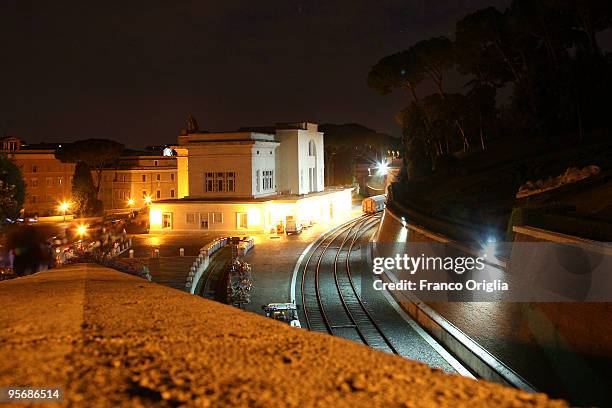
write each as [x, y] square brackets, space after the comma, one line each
[284, 312]
[373, 204]
[293, 227]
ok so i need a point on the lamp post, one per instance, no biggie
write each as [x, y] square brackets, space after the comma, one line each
[63, 207]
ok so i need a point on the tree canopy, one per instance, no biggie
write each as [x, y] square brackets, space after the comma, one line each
[84, 192]
[96, 153]
[534, 69]
[12, 190]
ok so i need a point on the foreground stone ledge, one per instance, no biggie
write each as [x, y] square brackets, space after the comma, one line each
[111, 339]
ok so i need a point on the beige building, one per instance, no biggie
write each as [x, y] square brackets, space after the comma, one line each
[48, 181]
[251, 180]
[136, 180]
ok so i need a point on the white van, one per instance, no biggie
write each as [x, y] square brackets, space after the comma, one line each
[293, 227]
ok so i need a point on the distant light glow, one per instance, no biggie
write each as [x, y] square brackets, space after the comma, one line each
[155, 216]
[82, 230]
[64, 206]
[490, 248]
[148, 199]
[131, 202]
[382, 168]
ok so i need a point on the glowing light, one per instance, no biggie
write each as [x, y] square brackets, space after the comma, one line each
[82, 230]
[254, 216]
[148, 200]
[154, 241]
[131, 202]
[382, 168]
[490, 248]
[64, 206]
[155, 217]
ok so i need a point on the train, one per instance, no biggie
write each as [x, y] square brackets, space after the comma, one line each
[373, 204]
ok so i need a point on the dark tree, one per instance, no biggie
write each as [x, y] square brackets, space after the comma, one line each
[96, 153]
[84, 192]
[12, 190]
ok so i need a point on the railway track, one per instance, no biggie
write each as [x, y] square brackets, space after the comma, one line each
[331, 302]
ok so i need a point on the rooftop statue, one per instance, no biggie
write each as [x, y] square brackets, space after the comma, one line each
[192, 124]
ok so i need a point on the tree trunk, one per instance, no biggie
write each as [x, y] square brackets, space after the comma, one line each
[482, 143]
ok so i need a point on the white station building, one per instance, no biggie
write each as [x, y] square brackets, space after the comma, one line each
[250, 181]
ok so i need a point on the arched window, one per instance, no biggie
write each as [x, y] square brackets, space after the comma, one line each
[311, 148]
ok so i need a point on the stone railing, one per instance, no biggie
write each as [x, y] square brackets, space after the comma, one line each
[243, 246]
[201, 263]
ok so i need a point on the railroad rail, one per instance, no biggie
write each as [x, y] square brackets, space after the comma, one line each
[320, 309]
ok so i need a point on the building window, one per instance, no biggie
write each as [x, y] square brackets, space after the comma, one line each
[34, 182]
[311, 148]
[167, 220]
[190, 218]
[144, 194]
[156, 162]
[242, 221]
[268, 176]
[203, 221]
[158, 177]
[217, 217]
[231, 181]
[34, 168]
[33, 199]
[144, 177]
[60, 181]
[257, 180]
[172, 176]
[158, 193]
[171, 193]
[49, 181]
[209, 184]
[219, 181]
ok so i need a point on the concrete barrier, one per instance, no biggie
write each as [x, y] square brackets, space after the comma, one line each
[475, 357]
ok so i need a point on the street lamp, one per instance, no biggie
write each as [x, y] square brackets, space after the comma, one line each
[147, 200]
[64, 207]
[130, 202]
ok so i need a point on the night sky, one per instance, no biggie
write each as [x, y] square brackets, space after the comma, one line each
[131, 72]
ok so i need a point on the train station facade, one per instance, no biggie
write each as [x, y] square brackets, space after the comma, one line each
[252, 180]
